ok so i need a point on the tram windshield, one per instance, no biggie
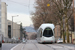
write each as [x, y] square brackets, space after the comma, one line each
[48, 32]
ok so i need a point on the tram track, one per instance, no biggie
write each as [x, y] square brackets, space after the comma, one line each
[45, 45]
[50, 47]
[23, 46]
[57, 45]
[36, 46]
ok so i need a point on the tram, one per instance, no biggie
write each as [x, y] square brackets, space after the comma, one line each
[45, 33]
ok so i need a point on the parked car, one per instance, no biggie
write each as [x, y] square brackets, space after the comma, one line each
[0, 40]
[60, 40]
[15, 40]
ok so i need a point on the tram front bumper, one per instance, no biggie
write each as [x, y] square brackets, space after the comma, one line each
[45, 39]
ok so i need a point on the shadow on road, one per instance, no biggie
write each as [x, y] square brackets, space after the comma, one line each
[0, 48]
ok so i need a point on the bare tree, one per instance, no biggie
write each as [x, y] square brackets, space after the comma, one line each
[55, 13]
[33, 36]
[43, 14]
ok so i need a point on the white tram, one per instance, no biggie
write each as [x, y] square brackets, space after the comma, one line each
[45, 33]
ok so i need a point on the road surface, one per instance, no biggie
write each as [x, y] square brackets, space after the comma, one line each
[7, 46]
[33, 45]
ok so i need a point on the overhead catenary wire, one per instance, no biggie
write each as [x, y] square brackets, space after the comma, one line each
[29, 6]
[17, 3]
[22, 4]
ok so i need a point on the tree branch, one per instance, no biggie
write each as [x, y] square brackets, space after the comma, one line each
[70, 15]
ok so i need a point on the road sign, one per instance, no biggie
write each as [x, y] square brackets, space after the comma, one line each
[48, 5]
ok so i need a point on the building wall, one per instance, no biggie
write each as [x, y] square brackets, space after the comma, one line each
[4, 18]
[0, 16]
[57, 32]
[16, 29]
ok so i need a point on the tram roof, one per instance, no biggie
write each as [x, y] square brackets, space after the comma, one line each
[43, 26]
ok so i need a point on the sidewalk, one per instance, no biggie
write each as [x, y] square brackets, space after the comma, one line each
[68, 45]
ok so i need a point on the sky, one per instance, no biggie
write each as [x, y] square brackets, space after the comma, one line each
[23, 8]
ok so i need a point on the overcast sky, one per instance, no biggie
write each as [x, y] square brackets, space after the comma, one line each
[23, 8]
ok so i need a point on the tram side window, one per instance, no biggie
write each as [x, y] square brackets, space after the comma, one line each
[40, 33]
[37, 33]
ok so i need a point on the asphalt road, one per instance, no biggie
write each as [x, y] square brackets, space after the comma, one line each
[7, 46]
[33, 45]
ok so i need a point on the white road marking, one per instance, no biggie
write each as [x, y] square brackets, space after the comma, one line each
[14, 47]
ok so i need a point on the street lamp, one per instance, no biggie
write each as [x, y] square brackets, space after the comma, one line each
[12, 24]
[19, 22]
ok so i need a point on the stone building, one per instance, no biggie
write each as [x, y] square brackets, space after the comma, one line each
[4, 18]
[57, 32]
[0, 16]
[6, 25]
[16, 29]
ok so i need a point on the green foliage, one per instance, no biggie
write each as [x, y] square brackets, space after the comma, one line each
[21, 28]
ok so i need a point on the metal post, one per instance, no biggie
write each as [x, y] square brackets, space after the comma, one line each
[74, 18]
[16, 30]
[71, 36]
[12, 26]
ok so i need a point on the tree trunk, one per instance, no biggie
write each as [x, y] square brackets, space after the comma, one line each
[62, 32]
[67, 30]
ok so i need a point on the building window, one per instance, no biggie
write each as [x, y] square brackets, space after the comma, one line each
[9, 31]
